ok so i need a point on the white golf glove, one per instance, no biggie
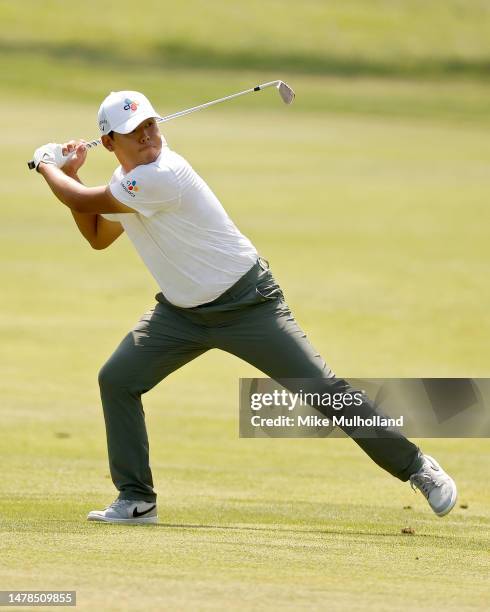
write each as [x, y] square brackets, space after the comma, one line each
[50, 154]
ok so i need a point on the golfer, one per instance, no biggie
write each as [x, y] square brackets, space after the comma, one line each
[216, 292]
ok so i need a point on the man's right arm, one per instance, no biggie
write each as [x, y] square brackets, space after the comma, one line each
[99, 232]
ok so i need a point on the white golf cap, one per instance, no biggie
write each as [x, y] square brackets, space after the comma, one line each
[122, 111]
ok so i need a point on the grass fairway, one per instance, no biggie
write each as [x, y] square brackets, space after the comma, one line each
[302, 526]
[369, 196]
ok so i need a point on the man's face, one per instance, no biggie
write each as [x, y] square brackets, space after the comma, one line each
[141, 146]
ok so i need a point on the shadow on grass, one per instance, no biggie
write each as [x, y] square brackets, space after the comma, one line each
[454, 538]
[280, 530]
[179, 55]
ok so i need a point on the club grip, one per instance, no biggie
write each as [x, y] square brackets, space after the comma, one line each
[31, 165]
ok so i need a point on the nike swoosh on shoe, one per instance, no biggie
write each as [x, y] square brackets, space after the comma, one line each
[136, 514]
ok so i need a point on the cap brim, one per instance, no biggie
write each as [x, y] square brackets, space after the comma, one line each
[130, 124]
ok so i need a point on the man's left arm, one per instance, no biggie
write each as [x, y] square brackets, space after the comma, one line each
[78, 197]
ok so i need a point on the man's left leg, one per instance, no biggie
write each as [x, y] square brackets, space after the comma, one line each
[267, 336]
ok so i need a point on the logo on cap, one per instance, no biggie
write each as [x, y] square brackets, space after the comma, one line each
[132, 186]
[130, 104]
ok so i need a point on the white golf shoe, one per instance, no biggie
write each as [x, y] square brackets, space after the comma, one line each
[127, 511]
[438, 487]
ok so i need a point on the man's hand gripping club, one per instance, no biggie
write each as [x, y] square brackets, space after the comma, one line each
[69, 156]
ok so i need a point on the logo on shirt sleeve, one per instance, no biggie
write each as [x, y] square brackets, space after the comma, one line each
[130, 187]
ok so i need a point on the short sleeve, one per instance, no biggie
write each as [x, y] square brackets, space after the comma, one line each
[148, 189]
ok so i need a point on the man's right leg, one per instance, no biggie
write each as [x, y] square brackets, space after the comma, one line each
[160, 343]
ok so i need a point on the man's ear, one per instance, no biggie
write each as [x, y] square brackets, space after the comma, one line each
[107, 142]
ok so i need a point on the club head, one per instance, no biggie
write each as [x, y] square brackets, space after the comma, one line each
[286, 93]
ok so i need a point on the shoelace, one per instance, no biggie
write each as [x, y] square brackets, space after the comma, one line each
[425, 482]
[118, 502]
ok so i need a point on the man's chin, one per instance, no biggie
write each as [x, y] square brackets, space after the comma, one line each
[150, 155]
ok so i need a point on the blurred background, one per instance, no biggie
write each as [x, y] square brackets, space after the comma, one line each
[369, 197]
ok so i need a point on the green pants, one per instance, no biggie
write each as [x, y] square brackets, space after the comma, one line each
[252, 321]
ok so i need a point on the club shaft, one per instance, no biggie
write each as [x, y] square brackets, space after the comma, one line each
[206, 104]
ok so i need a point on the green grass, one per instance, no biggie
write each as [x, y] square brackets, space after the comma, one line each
[285, 532]
[412, 37]
[368, 196]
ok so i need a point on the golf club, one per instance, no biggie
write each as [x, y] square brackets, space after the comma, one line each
[286, 93]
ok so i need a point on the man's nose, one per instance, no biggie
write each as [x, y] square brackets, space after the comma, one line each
[145, 135]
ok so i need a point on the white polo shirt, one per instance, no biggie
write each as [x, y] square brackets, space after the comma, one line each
[180, 230]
